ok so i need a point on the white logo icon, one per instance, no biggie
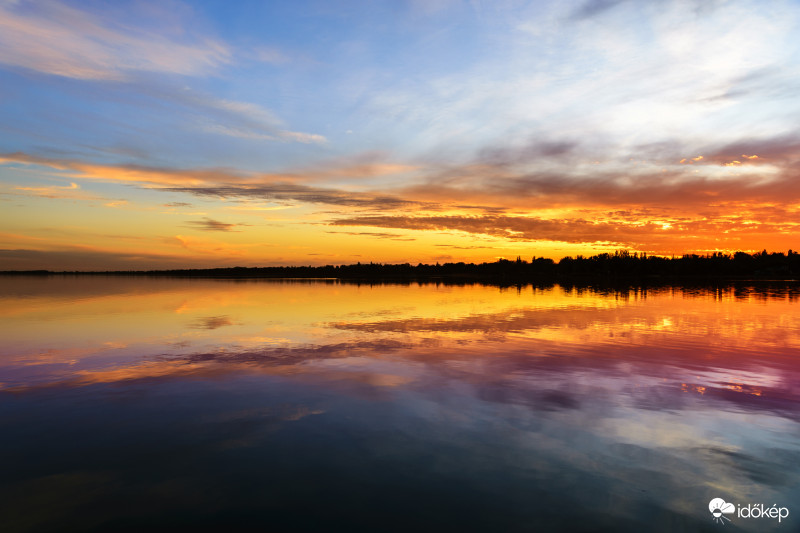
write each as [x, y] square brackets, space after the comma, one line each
[719, 508]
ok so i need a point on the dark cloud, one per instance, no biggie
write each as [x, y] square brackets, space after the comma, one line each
[379, 235]
[301, 193]
[454, 247]
[299, 355]
[212, 322]
[556, 173]
[679, 188]
[700, 234]
[536, 150]
[209, 224]
[486, 209]
[672, 187]
[593, 8]
[228, 183]
[514, 228]
[178, 204]
[783, 151]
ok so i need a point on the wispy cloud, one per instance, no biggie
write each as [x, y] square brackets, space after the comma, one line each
[589, 67]
[209, 224]
[277, 135]
[124, 173]
[55, 38]
[546, 174]
[593, 8]
[356, 167]
[379, 235]
[514, 228]
[53, 191]
[144, 56]
[212, 322]
[243, 120]
[272, 55]
[300, 193]
[226, 183]
[657, 125]
[697, 234]
[456, 247]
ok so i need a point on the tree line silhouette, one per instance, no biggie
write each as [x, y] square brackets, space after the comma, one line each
[620, 265]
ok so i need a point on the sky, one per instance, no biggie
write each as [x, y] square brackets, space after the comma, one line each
[167, 134]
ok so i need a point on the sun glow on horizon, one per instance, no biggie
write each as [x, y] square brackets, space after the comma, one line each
[150, 145]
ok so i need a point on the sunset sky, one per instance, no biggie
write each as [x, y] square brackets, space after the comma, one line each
[162, 134]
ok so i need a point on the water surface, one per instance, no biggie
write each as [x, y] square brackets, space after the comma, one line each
[138, 403]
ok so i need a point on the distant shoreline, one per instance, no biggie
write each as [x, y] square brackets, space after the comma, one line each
[621, 266]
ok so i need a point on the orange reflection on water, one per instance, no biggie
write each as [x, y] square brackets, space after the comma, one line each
[83, 330]
[658, 396]
[687, 387]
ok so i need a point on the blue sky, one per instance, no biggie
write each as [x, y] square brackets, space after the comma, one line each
[431, 130]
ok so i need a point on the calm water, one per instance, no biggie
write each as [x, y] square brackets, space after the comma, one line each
[154, 404]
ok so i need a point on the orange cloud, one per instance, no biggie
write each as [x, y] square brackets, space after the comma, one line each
[57, 191]
[508, 196]
[17, 237]
[159, 176]
[680, 234]
[71, 186]
[127, 174]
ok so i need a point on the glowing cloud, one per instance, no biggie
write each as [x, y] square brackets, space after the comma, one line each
[550, 128]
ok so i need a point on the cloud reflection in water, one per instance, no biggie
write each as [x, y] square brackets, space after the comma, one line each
[546, 407]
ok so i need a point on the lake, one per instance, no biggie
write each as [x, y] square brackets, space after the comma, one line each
[148, 404]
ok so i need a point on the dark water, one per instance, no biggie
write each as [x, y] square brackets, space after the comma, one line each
[148, 404]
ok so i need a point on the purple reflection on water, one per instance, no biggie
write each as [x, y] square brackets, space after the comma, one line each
[307, 407]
